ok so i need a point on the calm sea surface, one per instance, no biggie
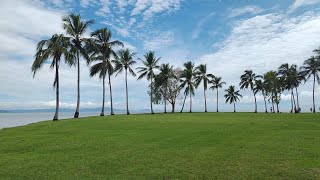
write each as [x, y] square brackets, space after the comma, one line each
[20, 119]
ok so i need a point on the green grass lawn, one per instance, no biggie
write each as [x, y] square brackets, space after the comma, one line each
[166, 146]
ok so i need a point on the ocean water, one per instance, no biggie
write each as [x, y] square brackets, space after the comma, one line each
[19, 119]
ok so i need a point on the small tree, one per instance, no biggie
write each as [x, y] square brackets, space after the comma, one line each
[232, 96]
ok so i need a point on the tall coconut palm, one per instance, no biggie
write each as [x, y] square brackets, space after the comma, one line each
[216, 84]
[202, 76]
[232, 96]
[56, 47]
[274, 87]
[101, 47]
[149, 65]
[311, 67]
[187, 81]
[76, 28]
[166, 73]
[288, 76]
[124, 61]
[261, 87]
[298, 81]
[248, 80]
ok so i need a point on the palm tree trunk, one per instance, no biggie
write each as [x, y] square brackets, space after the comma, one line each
[103, 94]
[76, 114]
[294, 101]
[190, 99]
[272, 104]
[185, 97]
[165, 99]
[151, 95]
[56, 115]
[298, 106]
[278, 108]
[205, 99]
[110, 89]
[314, 84]
[291, 104]
[255, 102]
[265, 104]
[173, 107]
[127, 100]
[217, 101]
[234, 107]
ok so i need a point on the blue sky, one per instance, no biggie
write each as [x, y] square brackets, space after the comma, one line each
[229, 36]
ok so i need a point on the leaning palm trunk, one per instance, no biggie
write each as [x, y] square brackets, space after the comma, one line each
[298, 106]
[76, 114]
[205, 99]
[314, 84]
[217, 101]
[56, 115]
[185, 97]
[127, 100]
[103, 94]
[110, 89]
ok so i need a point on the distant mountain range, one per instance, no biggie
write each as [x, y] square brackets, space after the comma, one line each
[53, 110]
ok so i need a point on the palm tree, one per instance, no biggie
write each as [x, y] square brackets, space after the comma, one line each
[55, 47]
[274, 86]
[100, 48]
[166, 72]
[299, 79]
[76, 28]
[124, 61]
[202, 76]
[311, 67]
[187, 81]
[150, 64]
[232, 96]
[216, 84]
[248, 80]
[288, 76]
[261, 86]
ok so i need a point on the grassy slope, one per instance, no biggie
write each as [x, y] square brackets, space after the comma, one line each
[197, 145]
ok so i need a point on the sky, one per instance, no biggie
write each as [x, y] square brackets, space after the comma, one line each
[229, 36]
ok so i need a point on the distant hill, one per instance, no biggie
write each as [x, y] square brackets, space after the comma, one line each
[53, 110]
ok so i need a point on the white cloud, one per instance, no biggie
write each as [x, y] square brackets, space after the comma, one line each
[105, 9]
[150, 7]
[300, 3]
[28, 22]
[164, 39]
[244, 10]
[263, 43]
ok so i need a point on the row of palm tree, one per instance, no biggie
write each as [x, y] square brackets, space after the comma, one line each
[99, 52]
[286, 78]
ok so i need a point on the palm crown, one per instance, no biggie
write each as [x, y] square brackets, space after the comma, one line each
[124, 60]
[150, 64]
[232, 95]
[56, 47]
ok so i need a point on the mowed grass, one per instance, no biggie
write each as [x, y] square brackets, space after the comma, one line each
[165, 146]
